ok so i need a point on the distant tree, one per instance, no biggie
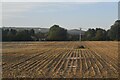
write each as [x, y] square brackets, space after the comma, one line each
[57, 33]
[11, 35]
[40, 36]
[95, 34]
[90, 34]
[32, 32]
[23, 36]
[5, 34]
[114, 32]
[0, 34]
[107, 35]
[73, 37]
[100, 35]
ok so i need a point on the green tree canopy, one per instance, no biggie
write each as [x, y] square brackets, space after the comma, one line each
[23, 36]
[90, 34]
[114, 32]
[57, 33]
[100, 35]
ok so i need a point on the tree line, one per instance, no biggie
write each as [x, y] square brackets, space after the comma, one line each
[99, 34]
[57, 33]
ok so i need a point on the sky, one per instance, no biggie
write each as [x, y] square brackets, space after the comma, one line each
[59, 0]
[69, 15]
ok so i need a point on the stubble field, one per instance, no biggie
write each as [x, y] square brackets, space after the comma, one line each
[99, 59]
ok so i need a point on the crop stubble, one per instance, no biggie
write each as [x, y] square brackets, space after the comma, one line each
[99, 59]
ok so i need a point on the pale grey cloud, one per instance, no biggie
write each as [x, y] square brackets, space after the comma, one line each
[14, 8]
[46, 14]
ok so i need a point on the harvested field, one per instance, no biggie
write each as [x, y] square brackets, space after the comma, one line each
[99, 59]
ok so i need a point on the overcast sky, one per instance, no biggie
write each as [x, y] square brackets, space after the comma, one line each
[69, 15]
